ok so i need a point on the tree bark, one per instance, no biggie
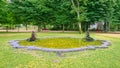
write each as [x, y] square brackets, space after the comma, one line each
[80, 29]
[44, 25]
[34, 27]
[18, 28]
[10, 26]
[6, 28]
[77, 8]
[105, 27]
[79, 23]
[63, 28]
[108, 26]
[73, 26]
[26, 27]
[39, 27]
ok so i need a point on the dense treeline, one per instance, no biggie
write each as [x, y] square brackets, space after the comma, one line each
[60, 14]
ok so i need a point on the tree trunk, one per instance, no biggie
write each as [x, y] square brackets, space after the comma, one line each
[115, 28]
[34, 27]
[80, 29]
[44, 25]
[39, 27]
[6, 28]
[105, 27]
[13, 27]
[108, 26]
[79, 23]
[77, 8]
[18, 28]
[26, 27]
[63, 27]
[73, 26]
[10, 26]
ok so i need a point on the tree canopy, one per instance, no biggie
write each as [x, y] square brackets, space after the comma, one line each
[59, 12]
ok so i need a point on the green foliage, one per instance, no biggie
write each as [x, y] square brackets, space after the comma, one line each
[2, 11]
[59, 12]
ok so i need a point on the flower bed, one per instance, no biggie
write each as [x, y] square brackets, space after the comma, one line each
[60, 44]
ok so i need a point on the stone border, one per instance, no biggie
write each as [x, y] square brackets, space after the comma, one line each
[105, 44]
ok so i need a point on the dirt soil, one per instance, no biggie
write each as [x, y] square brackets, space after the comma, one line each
[109, 35]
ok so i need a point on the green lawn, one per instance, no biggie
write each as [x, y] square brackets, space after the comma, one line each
[21, 58]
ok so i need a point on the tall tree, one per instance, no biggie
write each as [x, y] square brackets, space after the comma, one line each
[61, 10]
[80, 10]
[32, 11]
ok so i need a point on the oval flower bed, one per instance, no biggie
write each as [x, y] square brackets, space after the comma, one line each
[60, 44]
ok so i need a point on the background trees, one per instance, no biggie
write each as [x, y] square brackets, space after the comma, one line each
[60, 14]
[80, 9]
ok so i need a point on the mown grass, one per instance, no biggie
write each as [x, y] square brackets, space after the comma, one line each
[22, 58]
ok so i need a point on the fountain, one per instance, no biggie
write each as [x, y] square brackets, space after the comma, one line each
[88, 38]
[33, 37]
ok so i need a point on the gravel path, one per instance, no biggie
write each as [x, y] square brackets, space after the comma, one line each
[110, 35]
